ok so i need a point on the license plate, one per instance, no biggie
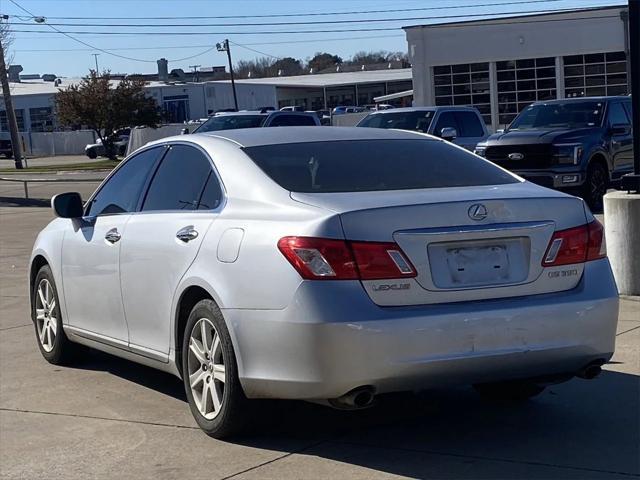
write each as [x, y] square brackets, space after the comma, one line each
[478, 265]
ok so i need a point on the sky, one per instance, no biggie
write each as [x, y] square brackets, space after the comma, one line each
[40, 49]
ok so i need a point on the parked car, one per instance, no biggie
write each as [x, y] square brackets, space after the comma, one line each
[342, 109]
[95, 150]
[579, 144]
[463, 126]
[292, 108]
[319, 264]
[254, 119]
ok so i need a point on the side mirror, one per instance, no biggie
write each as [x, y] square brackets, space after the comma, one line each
[620, 129]
[67, 205]
[184, 131]
[448, 133]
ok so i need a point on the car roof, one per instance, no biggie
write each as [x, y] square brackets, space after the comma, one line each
[423, 109]
[252, 137]
[583, 99]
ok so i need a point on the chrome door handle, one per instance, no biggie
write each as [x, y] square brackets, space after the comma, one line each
[112, 236]
[187, 234]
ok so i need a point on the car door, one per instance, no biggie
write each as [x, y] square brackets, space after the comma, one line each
[162, 241]
[621, 138]
[91, 252]
[446, 120]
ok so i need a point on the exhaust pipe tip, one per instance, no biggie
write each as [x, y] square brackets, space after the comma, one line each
[358, 398]
[591, 371]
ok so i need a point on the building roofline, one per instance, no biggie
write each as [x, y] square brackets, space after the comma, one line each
[512, 17]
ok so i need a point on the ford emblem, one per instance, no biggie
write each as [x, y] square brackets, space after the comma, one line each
[516, 156]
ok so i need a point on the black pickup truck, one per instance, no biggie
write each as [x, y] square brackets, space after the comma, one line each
[581, 145]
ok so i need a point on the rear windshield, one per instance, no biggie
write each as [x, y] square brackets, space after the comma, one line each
[371, 165]
[418, 121]
[230, 122]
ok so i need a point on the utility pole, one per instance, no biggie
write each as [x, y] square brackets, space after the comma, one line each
[11, 114]
[224, 47]
[195, 68]
[95, 56]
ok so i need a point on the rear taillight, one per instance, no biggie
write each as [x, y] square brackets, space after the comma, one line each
[576, 245]
[330, 259]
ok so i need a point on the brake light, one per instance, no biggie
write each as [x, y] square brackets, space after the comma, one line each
[576, 245]
[330, 259]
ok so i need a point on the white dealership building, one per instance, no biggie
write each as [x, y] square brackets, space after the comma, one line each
[502, 65]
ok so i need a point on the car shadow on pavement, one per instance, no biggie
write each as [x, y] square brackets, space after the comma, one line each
[24, 202]
[578, 429]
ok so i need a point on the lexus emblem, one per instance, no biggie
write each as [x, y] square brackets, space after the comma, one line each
[477, 211]
[515, 156]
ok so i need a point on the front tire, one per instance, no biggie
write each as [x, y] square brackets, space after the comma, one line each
[47, 319]
[92, 154]
[210, 373]
[595, 186]
[510, 392]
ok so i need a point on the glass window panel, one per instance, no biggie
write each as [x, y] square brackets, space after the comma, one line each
[547, 83]
[487, 119]
[525, 74]
[573, 82]
[619, 79]
[462, 100]
[595, 69]
[480, 77]
[546, 94]
[596, 92]
[507, 108]
[508, 75]
[526, 96]
[526, 63]
[594, 81]
[440, 91]
[479, 67]
[463, 68]
[506, 86]
[574, 92]
[526, 85]
[615, 56]
[594, 58]
[485, 109]
[507, 97]
[442, 70]
[506, 119]
[442, 80]
[523, 105]
[480, 88]
[481, 99]
[574, 70]
[617, 90]
[461, 89]
[546, 73]
[462, 78]
[617, 67]
[573, 60]
[545, 62]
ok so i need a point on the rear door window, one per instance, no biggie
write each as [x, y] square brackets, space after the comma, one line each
[470, 125]
[292, 121]
[179, 181]
[617, 114]
[371, 165]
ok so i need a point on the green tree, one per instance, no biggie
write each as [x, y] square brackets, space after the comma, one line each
[106, 107]
[321, 61]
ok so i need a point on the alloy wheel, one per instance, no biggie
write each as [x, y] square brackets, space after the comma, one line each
[207, 374]
[46, 315]
[598, 186]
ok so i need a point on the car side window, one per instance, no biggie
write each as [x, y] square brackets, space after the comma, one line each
[179, 180]
[617, 115]
[628, 107]
[292, 121]
[120, 194]
[469, 124]
[446, 119]
[211, 195]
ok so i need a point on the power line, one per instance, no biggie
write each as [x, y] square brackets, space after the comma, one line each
[312, 14]
[254, 50]
[315, 22]
[290, 32]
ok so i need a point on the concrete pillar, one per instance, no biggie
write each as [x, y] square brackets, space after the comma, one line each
[622, 233]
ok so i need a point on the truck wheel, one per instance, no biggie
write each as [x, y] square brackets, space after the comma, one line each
[595, 186]
[92, 154]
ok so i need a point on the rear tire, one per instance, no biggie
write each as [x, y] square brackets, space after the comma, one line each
[595, 186]
[92, 154]
[47, 319]
[210, 373]
[509, 392]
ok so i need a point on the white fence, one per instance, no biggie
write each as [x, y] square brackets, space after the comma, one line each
[142, 135]
[48, 144]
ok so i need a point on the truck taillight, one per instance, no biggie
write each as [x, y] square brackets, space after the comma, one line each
[576, 245]
[330, 259]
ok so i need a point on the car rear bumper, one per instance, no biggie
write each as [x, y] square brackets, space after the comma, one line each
[333, 338]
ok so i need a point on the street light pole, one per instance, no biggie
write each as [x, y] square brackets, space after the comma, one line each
[224, 47]
[95, 56]
[11, 114]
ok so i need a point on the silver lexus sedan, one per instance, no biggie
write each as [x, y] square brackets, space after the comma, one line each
[324, 264]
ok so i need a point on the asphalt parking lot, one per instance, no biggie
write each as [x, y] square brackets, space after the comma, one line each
[107, 418]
